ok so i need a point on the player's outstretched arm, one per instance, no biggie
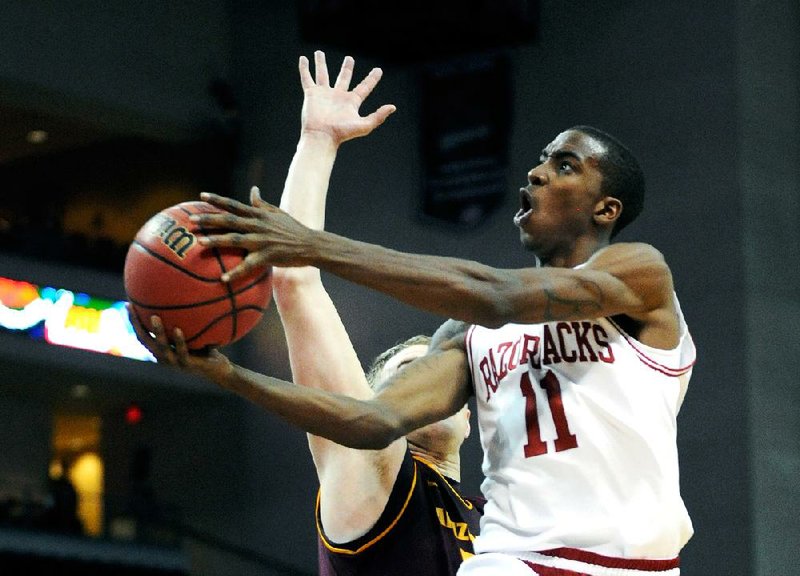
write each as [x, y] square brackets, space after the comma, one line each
[319, 347]
[630, 279]
[320, 351]
[427, 390]
[331, 115]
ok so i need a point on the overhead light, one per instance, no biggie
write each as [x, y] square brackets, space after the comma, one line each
[133, 414]
[37, 136]
[80, 391]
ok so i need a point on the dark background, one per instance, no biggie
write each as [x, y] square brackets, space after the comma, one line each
[148, 103]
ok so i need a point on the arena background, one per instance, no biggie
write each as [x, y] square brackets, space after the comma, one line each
[707, 94]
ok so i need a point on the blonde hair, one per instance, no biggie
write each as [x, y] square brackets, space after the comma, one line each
[380, 361]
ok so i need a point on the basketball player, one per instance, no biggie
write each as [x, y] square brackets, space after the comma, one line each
[579, 365]
[394, 511]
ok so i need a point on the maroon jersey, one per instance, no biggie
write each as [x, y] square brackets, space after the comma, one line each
[426, 529]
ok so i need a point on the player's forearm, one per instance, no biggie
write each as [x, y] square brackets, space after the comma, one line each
[320, 351]
[344, 420]
[305, 190]
[304, 197]
[450, 287]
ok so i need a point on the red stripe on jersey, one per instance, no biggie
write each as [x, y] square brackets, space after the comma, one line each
[468, 346]
[643, 564]
[650, 362]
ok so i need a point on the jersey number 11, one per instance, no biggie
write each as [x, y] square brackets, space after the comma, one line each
[564, 439]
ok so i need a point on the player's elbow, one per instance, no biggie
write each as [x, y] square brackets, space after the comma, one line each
[290, 283]
[494, 300]
[496, 310]
[376, 430]
[496, 316]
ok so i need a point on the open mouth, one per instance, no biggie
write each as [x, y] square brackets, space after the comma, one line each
[525, 209]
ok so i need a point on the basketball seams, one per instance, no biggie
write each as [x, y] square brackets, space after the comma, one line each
[194, 303]
[230, 294]
[165, 260]
[227, 312]
[217, 319]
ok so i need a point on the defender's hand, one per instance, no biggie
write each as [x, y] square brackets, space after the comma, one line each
[334, 111]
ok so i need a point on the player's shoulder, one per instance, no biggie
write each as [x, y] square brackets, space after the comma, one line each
[643, 269]
[626, 256]
[642, 249]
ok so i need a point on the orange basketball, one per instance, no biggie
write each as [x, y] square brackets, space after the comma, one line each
[169, 274]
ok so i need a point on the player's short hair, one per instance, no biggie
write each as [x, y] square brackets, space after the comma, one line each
[623, 177]
[380, 361]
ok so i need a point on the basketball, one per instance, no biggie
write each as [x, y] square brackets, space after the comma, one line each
[169, 274]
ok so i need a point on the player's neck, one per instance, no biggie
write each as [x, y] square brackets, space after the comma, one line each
[578, 253]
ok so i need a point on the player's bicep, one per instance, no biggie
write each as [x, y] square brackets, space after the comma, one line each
[636, 276]
[629, 279]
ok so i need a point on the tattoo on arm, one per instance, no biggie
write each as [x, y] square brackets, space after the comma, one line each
[566, 305]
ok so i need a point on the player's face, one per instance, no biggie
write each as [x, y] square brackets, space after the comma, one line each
[401, 359]
[558, 204]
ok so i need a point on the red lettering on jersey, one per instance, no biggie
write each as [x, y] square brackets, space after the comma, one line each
[602, 339]
[562, 327]
[560, 342]
[512, 356]
[549, 349]
[581, 331]
[530, 351]
[489, 375]
[564, 439]
[502, 368]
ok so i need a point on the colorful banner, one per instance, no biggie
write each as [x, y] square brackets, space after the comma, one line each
[67, 318]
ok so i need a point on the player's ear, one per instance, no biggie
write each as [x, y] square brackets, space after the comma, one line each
[607, 210]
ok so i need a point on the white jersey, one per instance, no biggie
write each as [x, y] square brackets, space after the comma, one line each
[577, 421]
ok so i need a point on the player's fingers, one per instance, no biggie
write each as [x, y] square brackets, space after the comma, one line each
[249, 242]
[306, 81]
[255, 197]
[381, 114]
[134, 320]
[161, 345]
[158, 330]
[212, 224]
[345, 73]
[235, 273]
[227, 204]
[321, 68]
[367, 85]
[181, 348]
[250, 263]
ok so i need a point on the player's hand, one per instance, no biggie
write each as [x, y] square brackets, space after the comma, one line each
[270, 235]
[334, 111]
[173, 351]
